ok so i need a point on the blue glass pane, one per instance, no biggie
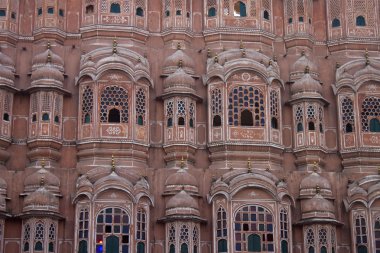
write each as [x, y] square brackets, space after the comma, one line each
[125, 249]
[99, 248]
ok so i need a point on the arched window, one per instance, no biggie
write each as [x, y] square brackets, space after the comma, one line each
[170, 122]
[195, 239]
[167, 13]
[112, 97]
[252, 223]
[172, 248]
[39, 236]
[323, 249]
[184, 248]
[284, 246]
[113, 230]
[56, 119]
[181, 121]
[140, 247]
[140, 106]
[38, 246]
[191, 123]
[26, 237]
[348, 119]
[320, 127]
[254, 243]
[361, 233]
[50, 10]
[310, 240]
[311, 250]
[299, 127]
[290, 20]
[87, 104]
[240, 9]
[178, 13]
[222, 246]
[141, 230]
[274, 123]
[114, 116]
[246, 118]
[6, 116]
[191, 114]
[139, 12]
[300, 19]
[370, 110]
[374, 125]
[87, 118]
[3, 13]
[82, 247]
[217, 121]
[335, 23]
[246, 98]
[45, 117]
[360, 21]
[115, 8]
[211, 12]
[89, 9]
[266, 15]
[348, 128]
[311, 126]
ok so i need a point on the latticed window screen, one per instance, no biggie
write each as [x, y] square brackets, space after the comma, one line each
[7, 100]
[310, 239]
[141, 4]
[114, 97]
[192, 114]
[171, 235]
[254, 224]
[226, 7]
[195, 238]
[246, 98]
[39, 234]
[216, 101]
[274, 104]
[127, 6]
[300, 8]
[181, 108]
[45, 101]
[253, 9]
[322, 234]
[184, 234]
[267, 5]
[87, 105]
[311, 113]
[140, 106]
[335, 9]
[289, 10]
[370, 110]
[26, 238]
[348, 116]
[57, 109]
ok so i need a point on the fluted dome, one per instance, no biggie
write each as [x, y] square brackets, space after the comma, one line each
[7, 73]
[298, 68]
[42, 176]
[41, 200]
[181, 180]
[318, 208]
[313, 181]
[179, 81]
[307, 84]
[178, 58]
[48, 56]
[5, 60]
[182, 204]
[48, 71]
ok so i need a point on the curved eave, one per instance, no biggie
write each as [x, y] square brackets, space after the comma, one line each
[10, 88]
[180, 94]
[139, 195]
[320, 221]
[177, 217]
[40, 214]
[48, 88]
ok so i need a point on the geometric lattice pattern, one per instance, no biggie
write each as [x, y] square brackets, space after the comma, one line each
[370, 109]
[87, 104]
[114, 97]
[140, 104]
[348, 116]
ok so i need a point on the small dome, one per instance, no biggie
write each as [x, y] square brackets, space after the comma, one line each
[42, 176]
[5, 60]
[179, 81]
[47, 72]
[7, 73]
[48, 56]
[307, 84]
[317, 207]
[41, 200]
[313, 181]
[178, 58]
[298, 68]
[181, 180]
[182, 204]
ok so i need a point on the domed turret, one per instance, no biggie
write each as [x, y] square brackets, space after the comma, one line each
[41, 200]
[298, 68]
[182, 204]
[50, 181]
[317, 208]
[310, 183]
[7, 70]
[179, 81]
[181, 180]
[307, 85]
[171, 63]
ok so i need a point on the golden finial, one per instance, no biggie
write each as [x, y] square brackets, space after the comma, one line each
[315, 167]
[180, 63]
[42, 181]
[182, 165]
[43, 163]
[113, 163]
[114, 46]
[178, 46]
[208, 53]
[48, 45]
[241, 46]
[317, 189]
[243, 53]
[216, 59]
[366, 57]
[303, 52]
[49, 57]
[307, 70]
[249, 165]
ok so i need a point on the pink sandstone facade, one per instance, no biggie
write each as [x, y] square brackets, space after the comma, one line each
[181, 126]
